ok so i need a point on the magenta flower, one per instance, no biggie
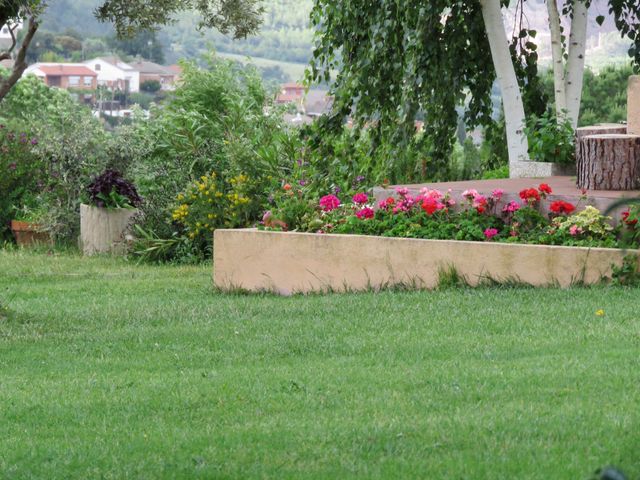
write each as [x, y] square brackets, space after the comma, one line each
[329, 203]
[497, 193]
[402, 191]
[511, 207]
[489, 233]
[365, 213]
[360, 198]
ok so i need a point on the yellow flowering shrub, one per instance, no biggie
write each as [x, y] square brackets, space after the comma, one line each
[210, 203]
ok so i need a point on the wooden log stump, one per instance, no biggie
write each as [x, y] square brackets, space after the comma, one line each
[601, 129]
[609, 162]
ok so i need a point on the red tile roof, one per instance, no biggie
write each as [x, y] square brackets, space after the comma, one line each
[288, 97]
[66, 70]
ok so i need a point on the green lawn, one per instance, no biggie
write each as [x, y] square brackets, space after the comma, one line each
[110, 370]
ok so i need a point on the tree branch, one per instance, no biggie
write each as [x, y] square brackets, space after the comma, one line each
[7, 53]
[20, 64]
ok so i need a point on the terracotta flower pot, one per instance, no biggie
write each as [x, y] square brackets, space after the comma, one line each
[29, 233]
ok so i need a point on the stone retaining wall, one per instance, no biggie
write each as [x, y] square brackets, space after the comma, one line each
[288, 262]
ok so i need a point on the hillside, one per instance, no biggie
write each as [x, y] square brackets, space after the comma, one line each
[285, 40]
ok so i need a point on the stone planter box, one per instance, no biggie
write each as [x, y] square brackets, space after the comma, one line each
[104, 230]
[289, 262]
[540, 170]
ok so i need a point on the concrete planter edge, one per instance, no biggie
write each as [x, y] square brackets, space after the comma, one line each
[291, 262]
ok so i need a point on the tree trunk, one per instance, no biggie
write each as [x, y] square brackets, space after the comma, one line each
[511, 96]
[609, 162]
[558, 59]
[575, 62]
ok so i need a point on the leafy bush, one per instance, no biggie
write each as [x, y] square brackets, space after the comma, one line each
[150, 86]
[111, 190]
[213, 127]
[551, 140]
[19, 174]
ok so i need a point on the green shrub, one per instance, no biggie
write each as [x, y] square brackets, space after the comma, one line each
[150, 86]
[551, 140]
[213, 126]
[19, 174]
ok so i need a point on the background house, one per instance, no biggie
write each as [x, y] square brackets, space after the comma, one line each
[291, 93]
[309, 105]
[70, 76]
[150, 71]
[115, 74]
[4, 31]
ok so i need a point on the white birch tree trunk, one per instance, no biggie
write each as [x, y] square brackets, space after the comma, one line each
[558, 59]
[575, 62]
[517, 143]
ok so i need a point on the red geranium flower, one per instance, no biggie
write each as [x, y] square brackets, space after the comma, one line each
[431, 205]
[625, 216]
[530, 195]
[561, 207]
[544, 188]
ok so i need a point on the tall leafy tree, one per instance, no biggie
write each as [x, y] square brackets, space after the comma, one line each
[239, 18]
[397, 58]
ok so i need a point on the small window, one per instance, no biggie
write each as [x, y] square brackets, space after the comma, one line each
[5, 30]
[97, 67]
[74, 80]
[88, 81]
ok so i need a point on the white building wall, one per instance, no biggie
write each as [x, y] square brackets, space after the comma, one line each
[109, 74]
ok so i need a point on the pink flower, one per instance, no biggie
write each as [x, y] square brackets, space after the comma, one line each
[402, 191]
[511, 207]
[386, 204]
[365, 213]
[489, 233]
[360, 198]
[435, 194]
[470, 194]
[575, 230]
[329, 202]
[497, 193]
[479, 201]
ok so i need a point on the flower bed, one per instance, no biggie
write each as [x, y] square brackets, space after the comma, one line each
[477, 237]
[534, 219]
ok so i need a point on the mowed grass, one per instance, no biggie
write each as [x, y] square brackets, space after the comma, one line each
[111, 370]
